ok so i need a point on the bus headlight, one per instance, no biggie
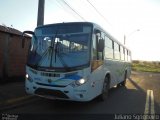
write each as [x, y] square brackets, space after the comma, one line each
[29, 78]
[79, 82]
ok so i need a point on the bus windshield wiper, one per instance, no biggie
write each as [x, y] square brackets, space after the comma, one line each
[48, 50]
[56, 45]
[60, 57]
[52, 47]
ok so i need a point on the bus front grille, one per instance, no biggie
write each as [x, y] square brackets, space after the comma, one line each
[53, 93]
[50, 74]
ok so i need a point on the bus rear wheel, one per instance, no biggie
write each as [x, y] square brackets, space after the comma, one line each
[123, 83]
[105, 89]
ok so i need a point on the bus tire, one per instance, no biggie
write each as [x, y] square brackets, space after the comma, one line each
[105, 89]
[119, 84]
[124, 81]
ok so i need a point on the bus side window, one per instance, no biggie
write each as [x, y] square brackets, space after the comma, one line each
[108, 48]
[129, 56]
[122, 52]
[100, 54]
[125, 54]
[116, 51]
[94, 48]
[96, 54]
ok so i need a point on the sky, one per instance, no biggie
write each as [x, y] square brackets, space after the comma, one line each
[138, 20]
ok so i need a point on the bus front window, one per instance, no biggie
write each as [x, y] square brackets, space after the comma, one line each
[60, 47]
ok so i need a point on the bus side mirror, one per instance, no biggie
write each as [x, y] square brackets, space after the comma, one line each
[101, 45]
[23, 37]
[96, 31]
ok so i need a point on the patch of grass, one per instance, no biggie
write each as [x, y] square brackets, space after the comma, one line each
[145, 66]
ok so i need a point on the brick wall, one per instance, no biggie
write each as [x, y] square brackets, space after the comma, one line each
[1, 53]
[17, 56]
[12, 56]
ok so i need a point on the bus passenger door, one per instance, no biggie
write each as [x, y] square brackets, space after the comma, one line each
[97, 61]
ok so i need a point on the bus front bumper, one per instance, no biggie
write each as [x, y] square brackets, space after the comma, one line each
[60, 93]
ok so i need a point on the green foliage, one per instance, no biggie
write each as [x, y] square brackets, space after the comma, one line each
[145, 66]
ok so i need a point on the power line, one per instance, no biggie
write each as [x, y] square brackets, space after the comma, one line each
[73, 9]
[98, 12]
[63, 6]
[67, 9]
[51, 5]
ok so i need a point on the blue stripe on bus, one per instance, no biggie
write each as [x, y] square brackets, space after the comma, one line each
[72, 77]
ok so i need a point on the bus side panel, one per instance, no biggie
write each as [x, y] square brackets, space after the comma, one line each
[128, 69]
[109, 67]
[97, 78]
[120, 70]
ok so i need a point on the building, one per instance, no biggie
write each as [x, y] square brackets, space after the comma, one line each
[12, 55]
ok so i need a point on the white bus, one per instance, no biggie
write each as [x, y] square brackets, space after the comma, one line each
[75, 61]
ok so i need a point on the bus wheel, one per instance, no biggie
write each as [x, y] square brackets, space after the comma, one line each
[124, 81]
[105, 90]
[119, 84]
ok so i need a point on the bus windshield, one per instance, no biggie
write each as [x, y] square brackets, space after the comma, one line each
[60, 46]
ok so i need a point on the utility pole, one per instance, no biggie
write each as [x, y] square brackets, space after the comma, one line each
[40, 18]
